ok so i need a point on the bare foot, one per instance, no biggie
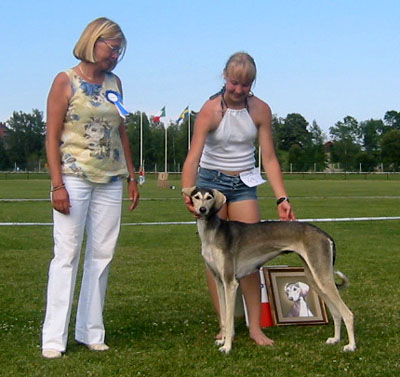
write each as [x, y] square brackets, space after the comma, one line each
[260, 338]
[218, 336]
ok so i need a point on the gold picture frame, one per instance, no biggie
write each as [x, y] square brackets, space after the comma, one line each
[292, 300]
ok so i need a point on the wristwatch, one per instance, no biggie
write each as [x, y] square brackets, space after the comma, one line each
[281, 200]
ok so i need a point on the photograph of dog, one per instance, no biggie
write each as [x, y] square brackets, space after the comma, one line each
[297, 293]
[234, 249]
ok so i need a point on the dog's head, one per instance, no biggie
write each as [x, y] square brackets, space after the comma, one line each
[295, 291]
[205, 201]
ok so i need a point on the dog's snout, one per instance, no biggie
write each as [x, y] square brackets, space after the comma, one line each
[203, 209]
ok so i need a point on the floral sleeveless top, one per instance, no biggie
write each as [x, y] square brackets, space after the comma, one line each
[90, 141]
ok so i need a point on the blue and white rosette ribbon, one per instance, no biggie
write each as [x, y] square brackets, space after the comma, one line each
[116, 99]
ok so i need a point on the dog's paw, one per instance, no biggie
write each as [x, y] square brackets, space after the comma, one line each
[332, 340]
[220, 342]
[349, 348]
[225, 349]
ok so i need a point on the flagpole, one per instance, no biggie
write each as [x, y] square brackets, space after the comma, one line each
[189, 130]
[166, 145]
[141, 140]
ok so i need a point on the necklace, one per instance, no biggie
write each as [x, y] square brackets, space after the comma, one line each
[84, 74]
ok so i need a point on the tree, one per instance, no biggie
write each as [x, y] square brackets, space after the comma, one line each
[372, 131]
[371, 134]
[290, 131]
[316, 148]
[346, 146]
[367, 161]
[180, 139]
[391, 149]
[348, 130]
[296, 158]
[303, 142]
[5, 163]
[392, 119]
[156, 150]
[345, 152]
[26, 139]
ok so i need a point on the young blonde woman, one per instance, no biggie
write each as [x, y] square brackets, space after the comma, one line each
[89, 159]
[222, 148]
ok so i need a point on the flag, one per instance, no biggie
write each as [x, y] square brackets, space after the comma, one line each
[266, 319]
[185, 113]
[142, 177]
[266, 316]
[162, 114]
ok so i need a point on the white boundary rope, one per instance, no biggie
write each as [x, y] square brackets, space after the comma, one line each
[260, 197]
[194, 222]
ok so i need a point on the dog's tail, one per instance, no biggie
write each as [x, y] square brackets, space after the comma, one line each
[345, 281]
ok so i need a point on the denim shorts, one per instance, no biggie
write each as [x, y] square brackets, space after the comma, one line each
[230, 185]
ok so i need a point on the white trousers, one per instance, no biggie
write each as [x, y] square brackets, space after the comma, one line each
[96, 207]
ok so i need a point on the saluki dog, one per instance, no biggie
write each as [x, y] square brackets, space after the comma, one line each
[233, 249]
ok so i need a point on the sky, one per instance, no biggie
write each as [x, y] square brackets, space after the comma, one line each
[323, 59]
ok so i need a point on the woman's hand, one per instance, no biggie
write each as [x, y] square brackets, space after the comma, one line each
[134, 195]
[189, 205]
[285, 211]
[60, 200]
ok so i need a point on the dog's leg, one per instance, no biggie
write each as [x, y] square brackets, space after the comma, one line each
[348, 319]
[339, 310]
[337, 319]
[230, 298]
[222, 311]
[349, 322]
[319, 270]
[329, 293]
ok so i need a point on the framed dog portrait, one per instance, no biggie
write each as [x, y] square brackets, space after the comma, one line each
[292, 300]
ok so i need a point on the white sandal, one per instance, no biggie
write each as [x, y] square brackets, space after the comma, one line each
[50, 353]
[98, 347]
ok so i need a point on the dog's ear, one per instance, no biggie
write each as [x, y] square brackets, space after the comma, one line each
[220, 199]
[304, 288]
[188, 190]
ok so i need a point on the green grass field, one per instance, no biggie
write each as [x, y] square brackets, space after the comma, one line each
[158, 315]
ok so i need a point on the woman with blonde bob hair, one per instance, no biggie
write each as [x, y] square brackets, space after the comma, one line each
[89, 157]
[100, 29]
[222, 148]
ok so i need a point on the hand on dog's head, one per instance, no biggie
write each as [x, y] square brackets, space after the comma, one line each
[188, 191]
[191, 193]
